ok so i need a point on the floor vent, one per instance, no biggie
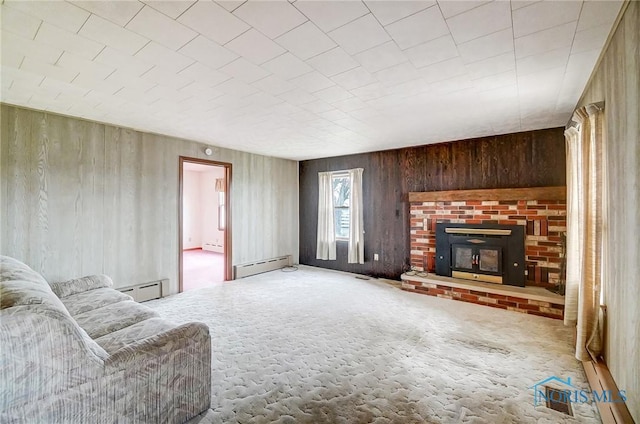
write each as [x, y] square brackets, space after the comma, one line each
[558, 400]
[258, 267]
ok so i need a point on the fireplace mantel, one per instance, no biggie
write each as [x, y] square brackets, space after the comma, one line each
[529, 193]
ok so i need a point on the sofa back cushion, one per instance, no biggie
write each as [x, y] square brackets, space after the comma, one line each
[80, 285]
[20, 285]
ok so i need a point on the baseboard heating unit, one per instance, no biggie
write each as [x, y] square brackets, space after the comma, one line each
[258, 267]
[147, 291]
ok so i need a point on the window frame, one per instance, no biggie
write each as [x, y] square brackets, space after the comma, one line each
[334, 176]
[222, 217]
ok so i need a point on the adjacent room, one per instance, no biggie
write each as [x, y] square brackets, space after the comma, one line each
[322, 211]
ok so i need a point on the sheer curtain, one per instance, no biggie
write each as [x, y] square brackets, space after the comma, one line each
[356, 228]
[326, 245]
[585, 224]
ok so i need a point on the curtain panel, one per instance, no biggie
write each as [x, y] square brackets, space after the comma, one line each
[586, 172]
[326, 242]
[356, 228]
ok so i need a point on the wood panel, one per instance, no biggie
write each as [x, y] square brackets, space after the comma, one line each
[522, 160]
[531, 193]
[616, 81]
[80, 197]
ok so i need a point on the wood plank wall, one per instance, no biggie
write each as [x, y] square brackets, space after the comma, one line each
[526, 159]
[617, 82]
[79, 197]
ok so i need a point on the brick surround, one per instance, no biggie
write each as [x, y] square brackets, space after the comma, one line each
[545, 222]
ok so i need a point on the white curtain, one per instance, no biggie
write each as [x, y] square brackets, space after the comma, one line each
[356, 228]
[585, 227]
[326, 245]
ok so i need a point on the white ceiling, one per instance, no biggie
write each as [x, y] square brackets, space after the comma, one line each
[308, 78]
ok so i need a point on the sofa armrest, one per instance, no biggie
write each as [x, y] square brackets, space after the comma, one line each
[79, 285]
[163, 343]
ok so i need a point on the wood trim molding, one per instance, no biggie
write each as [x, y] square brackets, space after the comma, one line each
[530, 193]
[599, 377]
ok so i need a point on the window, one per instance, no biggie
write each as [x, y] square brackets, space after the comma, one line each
[341, 192]
[221, 211]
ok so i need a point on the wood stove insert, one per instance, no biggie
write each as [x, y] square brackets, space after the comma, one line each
[482, 252]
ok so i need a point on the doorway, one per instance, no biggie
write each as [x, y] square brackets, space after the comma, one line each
[204, 239]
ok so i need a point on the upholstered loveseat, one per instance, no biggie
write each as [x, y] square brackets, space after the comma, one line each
[80, 351]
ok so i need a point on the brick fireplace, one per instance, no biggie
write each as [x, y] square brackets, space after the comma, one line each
[540, 211]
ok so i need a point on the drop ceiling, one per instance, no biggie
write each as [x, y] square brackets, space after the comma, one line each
[305, 79]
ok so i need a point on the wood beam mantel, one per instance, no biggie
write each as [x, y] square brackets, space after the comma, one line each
[531, 193]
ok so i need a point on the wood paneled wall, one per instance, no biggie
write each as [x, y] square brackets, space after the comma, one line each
[527, 159]
[617, 82]
[80, 197]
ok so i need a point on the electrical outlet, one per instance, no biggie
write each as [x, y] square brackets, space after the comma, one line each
[376, 257]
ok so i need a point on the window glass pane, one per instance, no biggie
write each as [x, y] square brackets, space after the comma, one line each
[341, 222]
[341, 190]
[489, 260]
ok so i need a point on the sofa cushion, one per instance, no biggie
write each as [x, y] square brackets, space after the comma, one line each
[112, 342]
[80, 285]
[83, 302]
[113, 317]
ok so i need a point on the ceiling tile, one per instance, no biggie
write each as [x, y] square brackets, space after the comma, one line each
[544, 15]
[47, 70]
[12, 58]
[543, 61]
[542, 41]
[287, 66]
[129, 80]
[397, 74]
[354, 78]
[272, 18]
[236, 88]
[359, 35]
[519, 4]
[118, 12]
[496, 81]
[312, 81]
[106, 32]
[273, 85]
[380, 57]
[431, 52]
[443, 70]
[306, 41]
[166, 78]
[213, 22]
[49, 34]
[451, 8]
[333, 114]
[231, 5]
[207, 52]
[19, 23]
[350, 105]
[15, 45]
[298, 97]
[480, 21]
[590, 39]
[333, 94]
[418, 28]
[125, 62]
[244, 70]
[329, 15]
[76, 63]
[172, 9]
[96, 83]
[597, 13]
[161, 56]
[491, 66]
[387, 12]
[254, 46]
[318, 106]
[333, 62]
[487, 46]
[371, 91]
[160, 28]
[61, 14]
[203, 74]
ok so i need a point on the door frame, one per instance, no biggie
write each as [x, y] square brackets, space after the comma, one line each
[228, 274]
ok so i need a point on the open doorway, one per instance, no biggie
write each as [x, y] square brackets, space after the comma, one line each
[204, 223]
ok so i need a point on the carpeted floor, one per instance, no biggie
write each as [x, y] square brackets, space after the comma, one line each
[200, 268]
[317, 346]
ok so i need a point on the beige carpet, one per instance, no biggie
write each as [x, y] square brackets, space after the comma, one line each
[317, 346]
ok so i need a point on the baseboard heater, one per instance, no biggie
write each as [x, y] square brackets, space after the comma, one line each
[258, 267]
[147, 291]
